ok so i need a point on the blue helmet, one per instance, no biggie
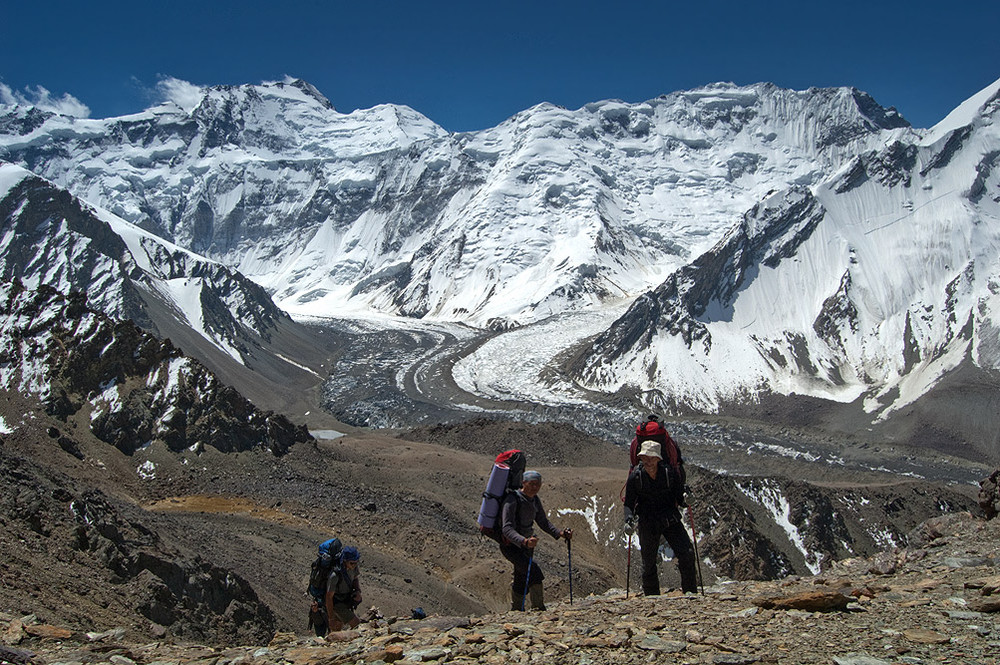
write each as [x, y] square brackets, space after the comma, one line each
[350, 554]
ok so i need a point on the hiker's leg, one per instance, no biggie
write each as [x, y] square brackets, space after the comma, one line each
[349, 617]
[680, 543]
[537, 597]
[649, 544]
[332, 619]
[519, 558]
[534, 582]
[535, 575]
[343, 615]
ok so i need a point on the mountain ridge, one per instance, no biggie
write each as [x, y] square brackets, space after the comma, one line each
[557, 212]
[878, 323]
[474, 174]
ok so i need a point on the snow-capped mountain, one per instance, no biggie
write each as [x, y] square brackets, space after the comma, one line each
[553, 210]
[868, 287]
[49, 237]
[777, 242]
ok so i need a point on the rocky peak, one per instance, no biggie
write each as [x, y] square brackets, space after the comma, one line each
[768, 233]
[139, 389]
[53, 238]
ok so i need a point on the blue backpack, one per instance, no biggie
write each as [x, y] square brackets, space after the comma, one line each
[328, 557]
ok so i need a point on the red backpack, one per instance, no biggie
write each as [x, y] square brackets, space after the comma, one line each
[653, 430]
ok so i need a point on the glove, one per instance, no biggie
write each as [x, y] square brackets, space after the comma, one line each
[630, 522]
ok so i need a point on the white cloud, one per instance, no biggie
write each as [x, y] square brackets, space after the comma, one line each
[42, 99]
[185, 95]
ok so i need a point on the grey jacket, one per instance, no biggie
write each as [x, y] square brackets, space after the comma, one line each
[519, 514]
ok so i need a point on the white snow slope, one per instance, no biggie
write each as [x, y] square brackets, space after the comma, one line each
[874, 282]
[553, 210]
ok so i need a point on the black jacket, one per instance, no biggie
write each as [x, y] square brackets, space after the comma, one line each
[650, 498]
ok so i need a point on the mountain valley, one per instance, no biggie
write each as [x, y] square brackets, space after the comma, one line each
[234, 328]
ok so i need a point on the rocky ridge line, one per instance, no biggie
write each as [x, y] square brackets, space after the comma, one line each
[934, 601]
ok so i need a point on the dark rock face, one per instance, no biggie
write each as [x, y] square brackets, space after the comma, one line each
[141, 388]
[891, 166]
[117, 562]
[51, 237]
[768, 528]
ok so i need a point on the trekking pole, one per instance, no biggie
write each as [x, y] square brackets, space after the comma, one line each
[569, 553]
[694, 541]
[628, 568]
[527, 578]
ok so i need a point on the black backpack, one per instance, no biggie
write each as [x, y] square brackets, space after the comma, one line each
[328, 557]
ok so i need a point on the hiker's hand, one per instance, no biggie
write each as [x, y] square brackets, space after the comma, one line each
[630, 525]
[357, 597]
[567, 534]
[531, 542]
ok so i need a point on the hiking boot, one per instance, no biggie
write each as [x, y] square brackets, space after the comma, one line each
[516, 601]
[537, 600]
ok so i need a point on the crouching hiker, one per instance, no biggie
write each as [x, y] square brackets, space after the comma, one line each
[343, 591]
[652, 494]
[520, 511]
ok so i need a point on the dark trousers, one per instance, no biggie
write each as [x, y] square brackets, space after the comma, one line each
[520, 556]
[671, 528]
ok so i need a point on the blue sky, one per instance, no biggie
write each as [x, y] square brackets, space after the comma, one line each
[470, 65]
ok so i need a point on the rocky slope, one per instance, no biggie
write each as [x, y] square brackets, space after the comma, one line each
[89, 558]
[934, 601]
[134, 387]
[410, 506]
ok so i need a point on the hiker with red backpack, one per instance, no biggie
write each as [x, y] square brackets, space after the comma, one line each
[520, 511]
[654, 494]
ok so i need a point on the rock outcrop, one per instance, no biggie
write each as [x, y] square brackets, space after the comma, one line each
[92, 557]
[138, 388]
